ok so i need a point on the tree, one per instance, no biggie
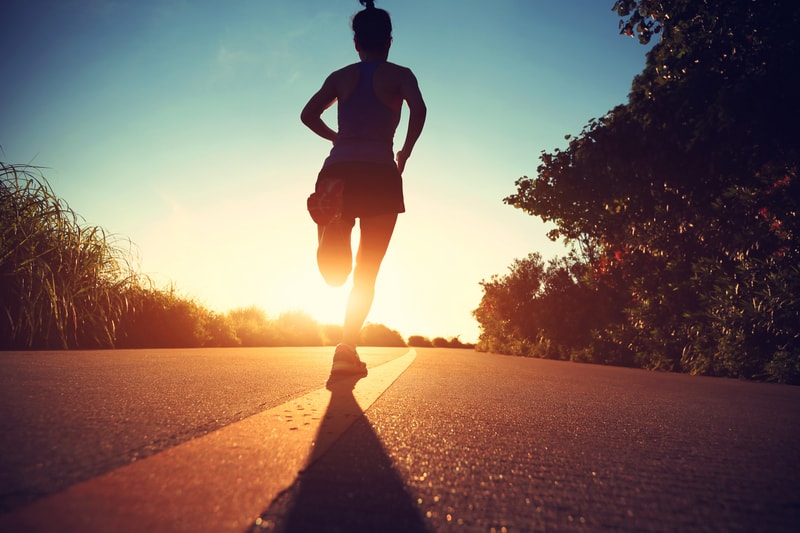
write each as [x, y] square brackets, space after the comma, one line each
[689, 192]
[506, 312]
[556, 310]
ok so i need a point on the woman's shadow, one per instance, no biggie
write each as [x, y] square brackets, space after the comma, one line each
[349, 483]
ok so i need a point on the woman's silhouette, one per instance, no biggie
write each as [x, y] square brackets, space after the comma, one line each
[360, 179]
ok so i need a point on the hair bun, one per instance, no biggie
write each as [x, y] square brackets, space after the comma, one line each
[372, 27]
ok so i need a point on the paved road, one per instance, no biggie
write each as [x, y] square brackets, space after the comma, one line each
[69, 416]
[460, 441]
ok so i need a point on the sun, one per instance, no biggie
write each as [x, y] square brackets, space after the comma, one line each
[302, 288]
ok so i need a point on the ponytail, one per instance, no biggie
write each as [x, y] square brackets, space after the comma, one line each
[368, 4]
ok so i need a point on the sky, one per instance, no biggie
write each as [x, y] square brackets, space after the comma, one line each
[175, 124]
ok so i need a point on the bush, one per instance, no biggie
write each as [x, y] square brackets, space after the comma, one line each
[380, 335]
[252, 327]
[162, 319]
[297, 328]
[440, 342]
[418, 341]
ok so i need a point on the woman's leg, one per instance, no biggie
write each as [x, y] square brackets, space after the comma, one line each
[376, 232]
[334, 257]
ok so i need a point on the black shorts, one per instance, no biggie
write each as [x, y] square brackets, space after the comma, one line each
[370, 189]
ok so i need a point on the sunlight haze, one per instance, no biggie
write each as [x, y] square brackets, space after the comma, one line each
[176, 124]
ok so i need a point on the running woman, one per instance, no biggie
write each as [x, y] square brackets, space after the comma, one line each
[361, 178]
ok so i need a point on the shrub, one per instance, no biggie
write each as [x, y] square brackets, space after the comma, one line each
[380, 335]
[163, 319]
[298, 329]
[252, 327]
[419, 341]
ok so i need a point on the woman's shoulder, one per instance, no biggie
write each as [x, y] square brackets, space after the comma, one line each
[398, 72]
[343, 80]
[348, 70]
[398, 68]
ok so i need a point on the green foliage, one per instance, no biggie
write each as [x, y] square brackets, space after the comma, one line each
[640, 18]
[683, 204]
[554, 310]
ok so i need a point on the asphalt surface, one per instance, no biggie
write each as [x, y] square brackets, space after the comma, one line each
[476, 442]
[70, 416]
[461, 441]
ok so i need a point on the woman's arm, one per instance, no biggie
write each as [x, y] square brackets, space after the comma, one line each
[416, 118]
[311, 115]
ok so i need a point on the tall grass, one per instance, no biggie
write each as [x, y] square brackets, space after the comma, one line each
[62, 282]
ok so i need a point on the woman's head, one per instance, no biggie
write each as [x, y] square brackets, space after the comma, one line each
[372, 27]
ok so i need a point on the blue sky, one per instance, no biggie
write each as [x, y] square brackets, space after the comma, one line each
[176, 124]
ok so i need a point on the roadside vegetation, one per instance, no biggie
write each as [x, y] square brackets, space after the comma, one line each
[62, 283]
[66, 284]
[681, 208]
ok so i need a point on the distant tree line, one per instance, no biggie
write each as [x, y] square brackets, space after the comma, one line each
[438, 342]
[681, 208]
[65, 284]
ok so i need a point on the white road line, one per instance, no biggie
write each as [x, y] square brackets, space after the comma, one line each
[219, 482]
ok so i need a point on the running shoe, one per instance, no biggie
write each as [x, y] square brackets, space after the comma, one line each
[347, 362]
[325, 203]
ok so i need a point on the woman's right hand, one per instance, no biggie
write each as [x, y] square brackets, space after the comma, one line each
[402, 157]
